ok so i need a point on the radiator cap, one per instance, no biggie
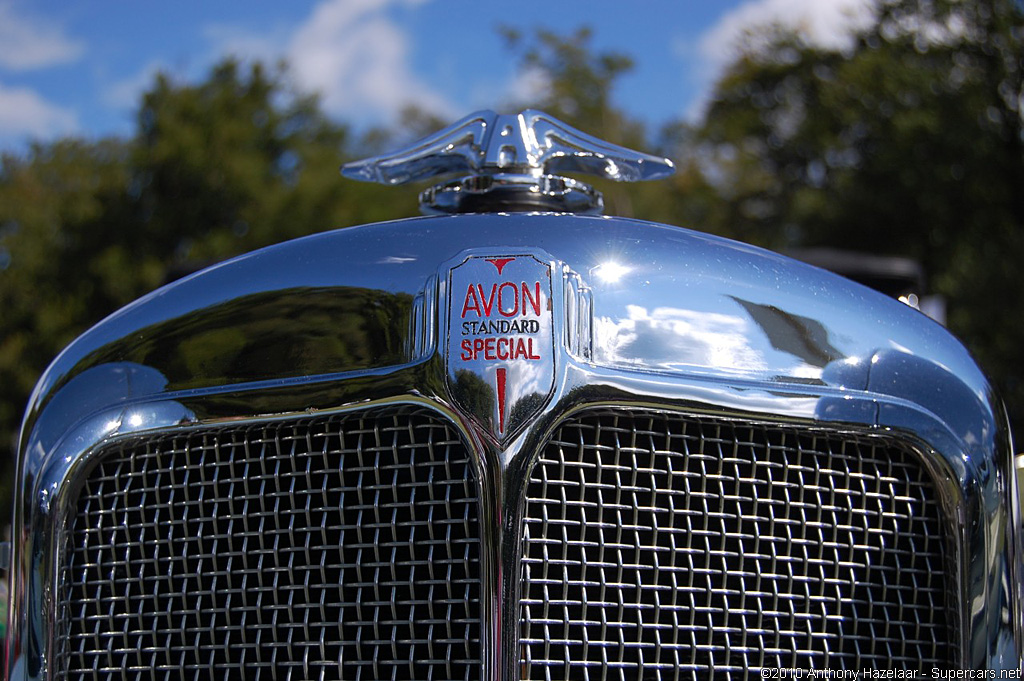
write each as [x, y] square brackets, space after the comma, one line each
[509, 163]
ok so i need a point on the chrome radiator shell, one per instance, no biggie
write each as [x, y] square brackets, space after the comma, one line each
[683, 324]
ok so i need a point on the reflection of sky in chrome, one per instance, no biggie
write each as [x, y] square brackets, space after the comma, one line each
[525, 378]
[669, 336]
[676, 338]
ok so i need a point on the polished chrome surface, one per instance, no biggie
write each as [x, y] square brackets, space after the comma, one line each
[663, 546]
[663, 300]
[511, 159]
[511, 192]
[645, 317]
[334, 547]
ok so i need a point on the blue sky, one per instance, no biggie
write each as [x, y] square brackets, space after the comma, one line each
[80, 67]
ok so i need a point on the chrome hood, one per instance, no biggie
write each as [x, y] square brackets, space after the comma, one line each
[664, 301]
[642, 313]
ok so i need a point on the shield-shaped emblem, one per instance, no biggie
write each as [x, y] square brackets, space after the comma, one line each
[500, 350]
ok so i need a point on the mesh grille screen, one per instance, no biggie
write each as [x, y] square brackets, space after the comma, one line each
[663, 547]
[344, 547]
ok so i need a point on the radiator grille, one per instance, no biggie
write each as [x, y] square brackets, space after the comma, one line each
[344, 547]
[661, 547]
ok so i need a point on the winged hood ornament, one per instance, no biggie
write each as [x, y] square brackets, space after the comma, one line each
[509, 163]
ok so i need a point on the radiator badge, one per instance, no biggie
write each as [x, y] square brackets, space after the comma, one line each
[500, 353]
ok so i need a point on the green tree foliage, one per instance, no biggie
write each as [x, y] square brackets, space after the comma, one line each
[67, 258]
[238, 162]
[907, 143]
[215, 169]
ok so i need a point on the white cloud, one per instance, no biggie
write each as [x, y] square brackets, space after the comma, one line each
[126, 94]
[357, 58]
[23, 113]
[351, 53]
[528, 85]
[26, 43]
[673, 338]
[828, 24]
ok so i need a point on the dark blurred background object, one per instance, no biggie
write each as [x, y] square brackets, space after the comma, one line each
[900, 278]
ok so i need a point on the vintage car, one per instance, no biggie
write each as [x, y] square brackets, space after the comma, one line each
[514, 439]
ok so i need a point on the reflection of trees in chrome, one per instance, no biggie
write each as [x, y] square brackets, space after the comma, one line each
[524, 408]
[297, 331]
[474, 395]
[477, 398]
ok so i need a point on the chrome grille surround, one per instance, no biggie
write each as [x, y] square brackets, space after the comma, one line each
[803, 348]
[214, 553]
[662, 546]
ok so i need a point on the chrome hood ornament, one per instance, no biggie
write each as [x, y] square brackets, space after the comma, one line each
[509, 164]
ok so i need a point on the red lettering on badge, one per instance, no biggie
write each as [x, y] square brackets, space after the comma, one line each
[513, 300]
[508, 303]
[501, 399]
[534, 299]
[471, 303]
[501, 348]
[499, 263]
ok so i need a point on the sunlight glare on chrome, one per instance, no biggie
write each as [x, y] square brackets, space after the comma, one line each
[610, 272]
